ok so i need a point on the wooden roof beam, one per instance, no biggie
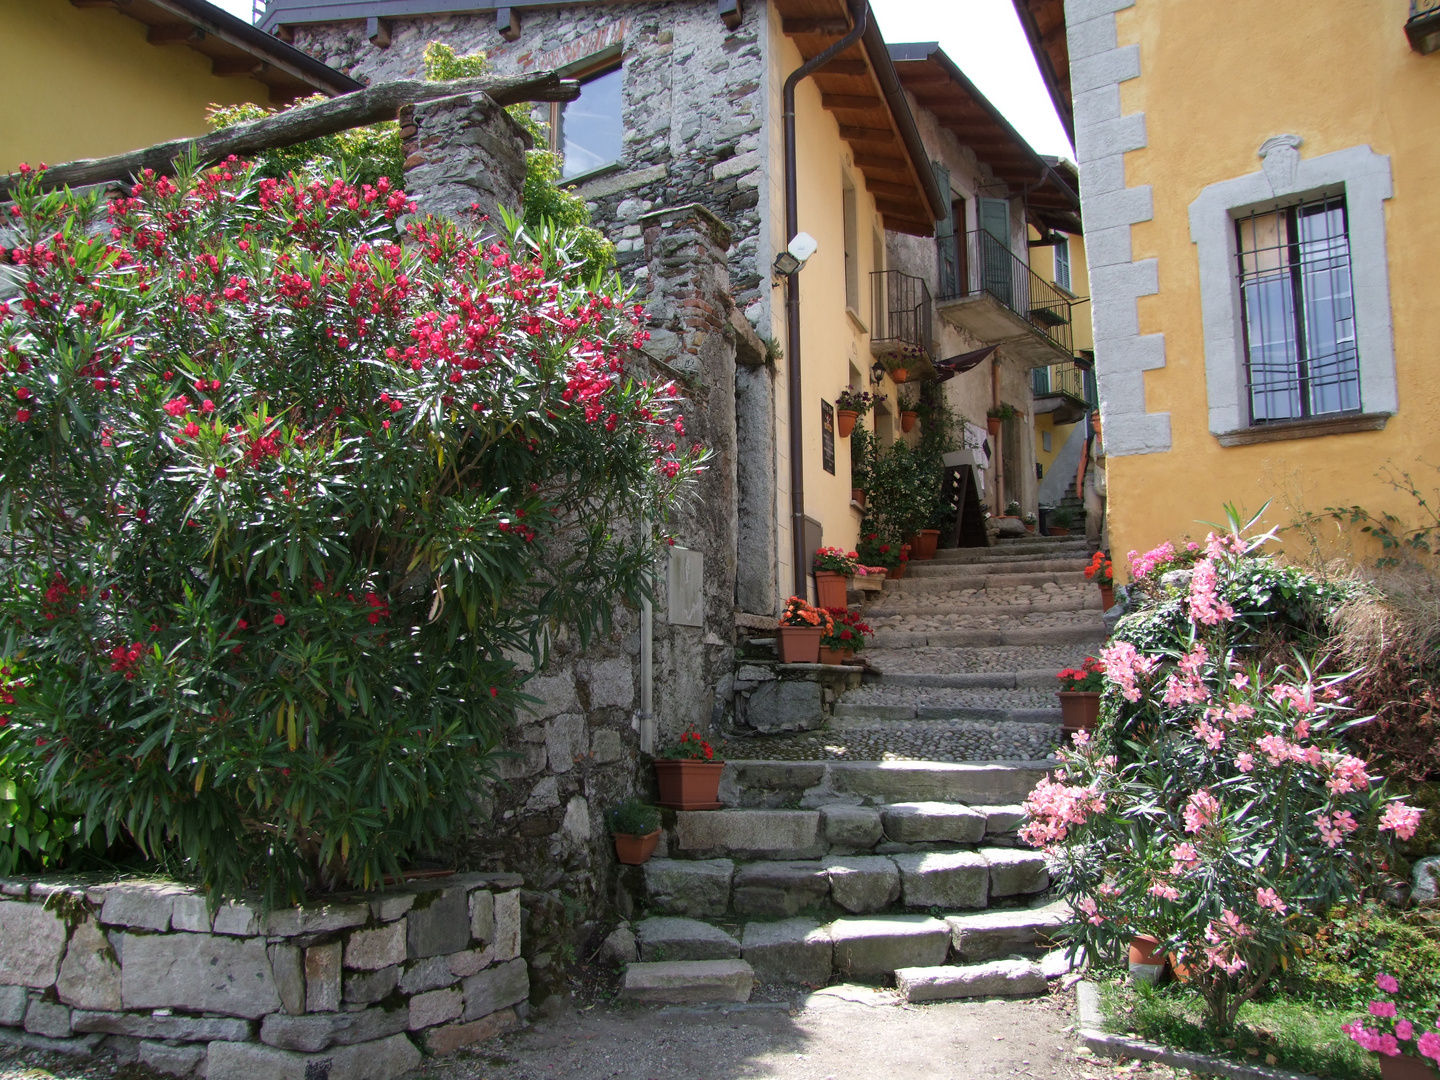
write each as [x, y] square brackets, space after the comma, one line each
[842, 66]
[850, 101]
[175, 34]
[854, 134]
[888, 187]
[793, 25]
[237, 65]
[880, 161]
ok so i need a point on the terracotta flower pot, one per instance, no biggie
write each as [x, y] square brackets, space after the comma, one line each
[1147, 963]
[1079, 709]
[907, 420]
[845, 420]
[925, 544]
[857, 496]
[798, 644]
[689, 785]
[831, 656]
[895, 573]
[899, 374]
[1029, 528]
[1107, 597]
[632, 849]
[992, 425]
[1058, 530]
[829, 589]
[1405, 1067]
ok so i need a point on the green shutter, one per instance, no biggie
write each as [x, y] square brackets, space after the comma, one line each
[995, 219]
[947, 273]
[945, 227]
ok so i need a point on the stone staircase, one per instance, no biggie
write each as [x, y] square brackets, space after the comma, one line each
[883, 848]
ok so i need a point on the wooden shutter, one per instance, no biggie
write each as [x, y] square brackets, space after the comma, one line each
[993, 249]
[947, 276]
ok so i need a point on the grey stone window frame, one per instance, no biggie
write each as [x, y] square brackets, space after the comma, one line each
[1285, 179]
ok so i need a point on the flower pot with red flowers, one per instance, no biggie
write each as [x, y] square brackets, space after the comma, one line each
[845, 637]
[1080, 689]
[870, 578]
[636, 828]
[875, 551]
[797, 638]
[833, 567]
[1409, 1048]
[1101, 571]
[688, 774]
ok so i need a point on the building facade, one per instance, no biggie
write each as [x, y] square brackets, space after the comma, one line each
[1259, 225]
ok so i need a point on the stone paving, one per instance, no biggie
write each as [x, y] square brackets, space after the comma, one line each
[905, 740]
[991, 617]
[945, 697]
[925, 659]
[1048, 597]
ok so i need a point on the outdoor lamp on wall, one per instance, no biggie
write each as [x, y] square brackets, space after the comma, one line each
[877, 373]
[796, 255]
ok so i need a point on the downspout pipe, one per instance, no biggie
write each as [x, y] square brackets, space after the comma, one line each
[861, 15]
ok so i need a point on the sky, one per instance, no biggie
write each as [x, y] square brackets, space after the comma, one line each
[983, 37]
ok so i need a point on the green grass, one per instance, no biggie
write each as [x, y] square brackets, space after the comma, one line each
[1302, 1036]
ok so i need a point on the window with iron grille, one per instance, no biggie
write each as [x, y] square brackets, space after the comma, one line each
[1298, 306]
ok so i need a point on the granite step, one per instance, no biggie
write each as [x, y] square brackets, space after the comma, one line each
[975, 714]
[1034, 679]
[988, 575]
[688, 982]
[883, 701]
[1006, 932]
[985, 661]
[905, 741]
[998, 978]
[757, 782]
[975, 605]
[1083, 633]
[995, 556]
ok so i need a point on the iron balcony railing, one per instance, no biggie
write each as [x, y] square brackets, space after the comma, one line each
[1068, 379]
[901, 310]
[988, 266]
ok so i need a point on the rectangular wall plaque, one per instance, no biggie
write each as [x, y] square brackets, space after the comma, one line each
[685, 587]
[827, 436]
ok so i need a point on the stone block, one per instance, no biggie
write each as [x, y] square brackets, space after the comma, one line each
[467, 963]
[699, 888]
[496, 987]
[999, 978]
[863, 884]
[89, 974]
[450, 1037]
[191, 913]
[143, 1026]
[382, 1059]
[439, 923]
[606, 747]
[612, 682]
[482, 915]
[934, 822]
[857, 828]
[688, 982]
[507, 925]
[326, 919]
[873, 948]
[1425, 877]
[620, 947]
[556, 694]
[432, 973]
[1062, 961]
[669, 938]
[775, 834]
[366, 987]
[32, 941]
[784, 705]
[322, 977]
[287, 967]
[389, 908]
[1016, 872]
[995, 934]
[792, 951]
[436, 1007]
[1002, 819]
[200, 972]
[565, 740]
[13, 1003]
[780, 889]
[237, 918]
[958, 879]
[172, 1060]
[146, 905]
[47, 1018]
[371, 950]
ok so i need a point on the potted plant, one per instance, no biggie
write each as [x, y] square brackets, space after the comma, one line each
[870, 578]
[996, 416]
[845, 637]
[899, 571]
[1080, 689]
[1102, 573]
[1029, 520]
[833, 566]
[850, 406]
[688, 774]
[636, 828]
[798, 634]
[879, 553]
[1392, 1030]
[1059, 521]
[906, 404]
[899, 366]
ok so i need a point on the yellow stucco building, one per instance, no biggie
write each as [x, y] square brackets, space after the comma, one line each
[1259, 226]
[86, 80]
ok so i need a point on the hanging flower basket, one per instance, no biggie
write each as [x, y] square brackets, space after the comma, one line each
[899, 374]
[992, 425]
[857, 496]
[845, 420]
[907, 420]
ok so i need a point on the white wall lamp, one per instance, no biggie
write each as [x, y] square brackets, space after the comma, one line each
[794, 257]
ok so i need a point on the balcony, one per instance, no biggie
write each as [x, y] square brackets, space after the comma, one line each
[1000, 300]
[902, 313]
[1423, 26]
[1066, 391]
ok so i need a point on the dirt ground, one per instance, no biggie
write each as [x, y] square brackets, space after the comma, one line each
[838, 1034]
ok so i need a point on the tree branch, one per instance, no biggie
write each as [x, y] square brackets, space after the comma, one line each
[368, 106]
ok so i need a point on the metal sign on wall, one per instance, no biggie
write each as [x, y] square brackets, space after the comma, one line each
[827, 436]
[685, 587]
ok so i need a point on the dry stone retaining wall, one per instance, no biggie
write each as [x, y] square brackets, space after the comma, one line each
[355, 988]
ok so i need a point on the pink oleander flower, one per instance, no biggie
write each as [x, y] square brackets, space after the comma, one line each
[1245, 762]
[1403, 819]
[1404, 1030]
[1240, 680]
[1388, 983]
[1302, 699]
[1229, 543]
[1205, 603]
[1054, 807]
[1200, 810]
[1334, 828]
[1141, 565]
[1090, 909]
[1276, 749]
[1211, 735]
[1347, 773]
[1382, 1009]
[1268, 900]
[1124, 664]
[1164, 891]
[1185, 857]
[1429, 1045]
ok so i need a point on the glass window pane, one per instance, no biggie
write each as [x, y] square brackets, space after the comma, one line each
[1328, 301]
[590, 126]
[1266, 289]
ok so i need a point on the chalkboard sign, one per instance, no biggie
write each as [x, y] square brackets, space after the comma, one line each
[827, 436]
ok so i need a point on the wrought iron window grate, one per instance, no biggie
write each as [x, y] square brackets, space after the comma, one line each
[1299, 312]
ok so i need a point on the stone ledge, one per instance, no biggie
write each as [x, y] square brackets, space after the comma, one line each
[1312, 428]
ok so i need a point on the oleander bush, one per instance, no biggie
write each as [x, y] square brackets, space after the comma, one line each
[286, 488]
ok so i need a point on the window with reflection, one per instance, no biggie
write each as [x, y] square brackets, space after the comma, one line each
[587, 131]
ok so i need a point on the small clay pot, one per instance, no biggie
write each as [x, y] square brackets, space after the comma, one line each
[907, 420]
[633, 849]
[845, 421]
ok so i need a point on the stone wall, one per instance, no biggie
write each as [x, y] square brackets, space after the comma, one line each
[145, 972]
[464, 156]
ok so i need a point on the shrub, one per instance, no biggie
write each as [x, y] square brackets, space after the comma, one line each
[1215, 803]
[633, 818]
[286, 489]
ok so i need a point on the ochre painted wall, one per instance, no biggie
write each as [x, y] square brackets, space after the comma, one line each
[85, 83]
[1338, 73]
